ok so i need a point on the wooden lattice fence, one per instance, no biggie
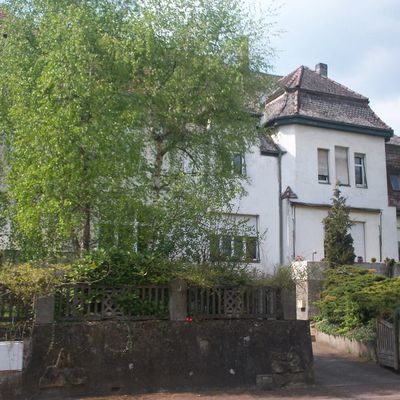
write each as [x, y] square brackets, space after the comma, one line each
[235, 302]
[12, 308]
[77, 302]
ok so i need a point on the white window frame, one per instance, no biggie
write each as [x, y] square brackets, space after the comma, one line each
[322, 178]
[239, 169]
[361, 166]
[222, 254]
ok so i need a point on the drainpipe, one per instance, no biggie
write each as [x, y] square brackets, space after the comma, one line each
[380, 236]
[294, 230]
[280, 207]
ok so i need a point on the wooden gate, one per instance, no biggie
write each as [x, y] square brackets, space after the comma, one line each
[387, 343]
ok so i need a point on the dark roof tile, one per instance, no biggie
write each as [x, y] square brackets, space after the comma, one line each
[306, 93]
[267, 145]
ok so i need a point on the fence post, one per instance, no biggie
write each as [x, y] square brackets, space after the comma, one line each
[177, 300]
[44, 309]
[278, 304]
[288, 298]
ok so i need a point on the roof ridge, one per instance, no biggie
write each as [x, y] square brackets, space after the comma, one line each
[338, 84]
[297, 105]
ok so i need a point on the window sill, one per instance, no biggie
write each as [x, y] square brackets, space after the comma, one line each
[362, 186]
[324, 183]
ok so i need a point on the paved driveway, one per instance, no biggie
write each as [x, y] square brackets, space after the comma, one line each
[337, 376]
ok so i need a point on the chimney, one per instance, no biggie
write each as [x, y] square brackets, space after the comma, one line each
[322, 69]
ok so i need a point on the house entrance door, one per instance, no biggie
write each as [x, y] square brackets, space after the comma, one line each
[357, 232]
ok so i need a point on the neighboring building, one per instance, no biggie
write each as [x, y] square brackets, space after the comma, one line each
[393, 179]
[322, 132]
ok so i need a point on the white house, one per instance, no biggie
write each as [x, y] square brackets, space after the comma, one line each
[321, 132]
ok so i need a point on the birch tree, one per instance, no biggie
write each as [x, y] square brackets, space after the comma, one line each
[116, 111]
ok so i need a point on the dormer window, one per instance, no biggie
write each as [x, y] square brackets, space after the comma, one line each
[323, 166]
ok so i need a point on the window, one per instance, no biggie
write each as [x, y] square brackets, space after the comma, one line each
[342, 165]
[237, 239]
[234, 248]
[359, 166]
[239, 166]
[323, 166]
[395, 181]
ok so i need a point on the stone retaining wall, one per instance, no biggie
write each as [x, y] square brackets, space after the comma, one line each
[131, 357]
[344, 345]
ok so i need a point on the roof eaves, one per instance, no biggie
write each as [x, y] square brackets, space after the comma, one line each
[322, 205]
[322, 123]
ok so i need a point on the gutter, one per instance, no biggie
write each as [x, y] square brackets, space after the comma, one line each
[336, 125]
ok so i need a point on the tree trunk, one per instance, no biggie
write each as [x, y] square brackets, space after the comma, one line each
[86, 230]
[158, 164]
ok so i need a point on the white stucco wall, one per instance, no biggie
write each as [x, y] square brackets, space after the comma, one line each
[11, 356]
[300, 171]
[262, 201]
[310, 233]
[301, 174]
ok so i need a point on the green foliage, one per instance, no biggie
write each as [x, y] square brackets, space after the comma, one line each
[361, 333]
[353, 298]
[283, 278]
[120, 268]
[101, 104]
[208, 275]
[65, 115]
[380, 299]
[338, 243]
[27, 281]
[132, 304]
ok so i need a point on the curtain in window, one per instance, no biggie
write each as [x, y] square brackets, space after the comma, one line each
[342, 167]
[323, 169]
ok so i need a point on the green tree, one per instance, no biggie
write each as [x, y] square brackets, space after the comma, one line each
[195, 64]
[102, 103]
[338, 243]
[65, 113]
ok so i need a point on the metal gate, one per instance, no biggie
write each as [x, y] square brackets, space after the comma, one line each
[387, 342]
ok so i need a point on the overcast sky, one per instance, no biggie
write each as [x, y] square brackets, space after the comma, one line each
[358, 39]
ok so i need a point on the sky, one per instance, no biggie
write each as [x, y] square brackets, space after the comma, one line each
[359, 40]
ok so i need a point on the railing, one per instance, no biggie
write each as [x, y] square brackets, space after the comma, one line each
[77, 302]
[13, 309]
[236, 302]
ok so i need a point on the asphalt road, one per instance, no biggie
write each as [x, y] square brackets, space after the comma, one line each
[337, 377]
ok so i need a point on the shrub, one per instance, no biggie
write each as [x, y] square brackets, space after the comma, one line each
[380, 299]
[122, 268]
[27, 281]
[353, 298]
[338, 243]
[339, 304]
